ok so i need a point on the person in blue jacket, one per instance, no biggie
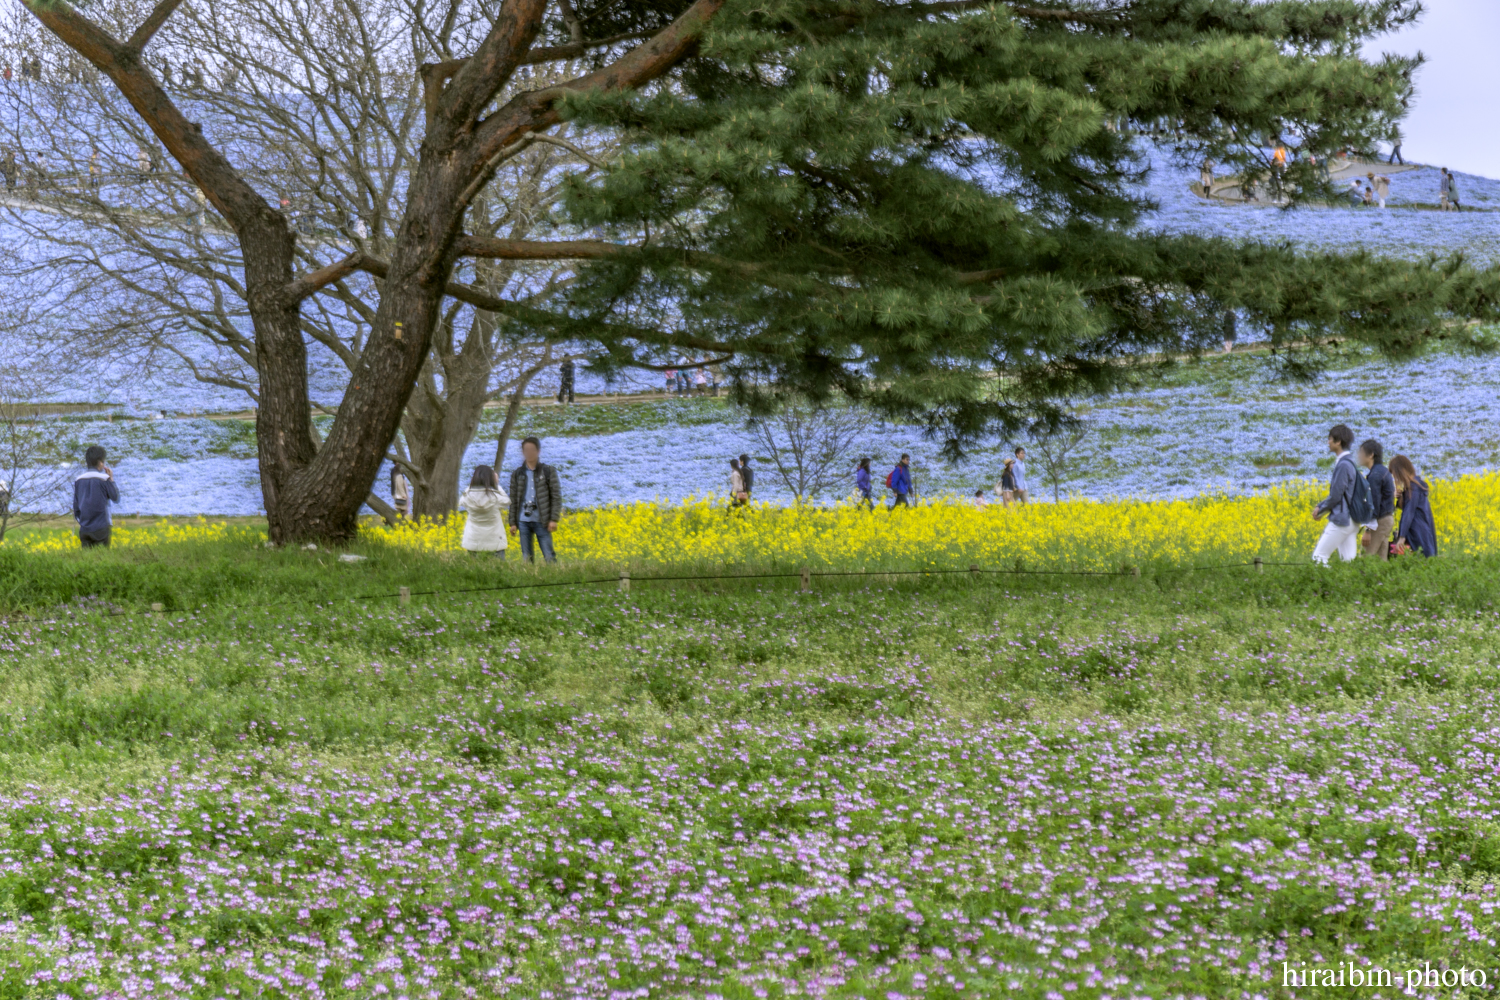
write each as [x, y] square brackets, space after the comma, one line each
[901, 483]
[863, 484]
[93, 491]
[1417, 531]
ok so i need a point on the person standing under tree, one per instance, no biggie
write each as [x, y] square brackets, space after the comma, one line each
[565, 381]
[1231, 330]
[400, 492]
[484, 527]
[93, 491]
[536, 501]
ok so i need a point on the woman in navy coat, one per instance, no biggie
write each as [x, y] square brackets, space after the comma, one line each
[1417, 530]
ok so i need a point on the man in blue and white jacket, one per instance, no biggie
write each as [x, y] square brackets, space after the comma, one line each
[93, 491]
[1341, 534]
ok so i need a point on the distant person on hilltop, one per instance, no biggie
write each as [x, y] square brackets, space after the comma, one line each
[1444, 184]
[93, 491]
[565, 376]
[1376, 541]
[1396, 152]
[1453, 192]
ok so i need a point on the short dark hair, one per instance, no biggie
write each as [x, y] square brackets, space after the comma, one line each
[744, 458]
[532, 440]
[1374, 450]
[1019, 449]
[1342, 434]
[904, 456]
[93, 456]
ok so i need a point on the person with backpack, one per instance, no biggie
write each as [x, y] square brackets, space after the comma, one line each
[1348, 504]
[1376, 541]
[899, 483]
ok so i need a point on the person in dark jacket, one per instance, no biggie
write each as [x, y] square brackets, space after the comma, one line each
[1376, 541]
[1341, 534]
[535, 501]
[93, 491]
[565, 376]
[749, 475]
[863, 485]
[901, 483]
[1417, 531]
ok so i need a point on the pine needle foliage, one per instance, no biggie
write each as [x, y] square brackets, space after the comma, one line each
[935, 207]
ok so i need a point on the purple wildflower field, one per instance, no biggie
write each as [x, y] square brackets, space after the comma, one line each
[1036, 794]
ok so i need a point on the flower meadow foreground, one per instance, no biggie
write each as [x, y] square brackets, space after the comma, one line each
[1178, 785]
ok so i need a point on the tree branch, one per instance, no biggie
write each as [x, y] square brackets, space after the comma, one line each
[152, 25]
[313, 281]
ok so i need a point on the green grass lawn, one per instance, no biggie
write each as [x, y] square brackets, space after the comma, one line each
[1014, 787]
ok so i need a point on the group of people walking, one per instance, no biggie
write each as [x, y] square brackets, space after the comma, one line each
[1011, 487]
[692, 375]
[1363, 498]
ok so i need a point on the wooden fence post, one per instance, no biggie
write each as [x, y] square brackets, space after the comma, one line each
[405, 595]
[156, 609]
[624, 581]
[806, 580]
[1260, 567]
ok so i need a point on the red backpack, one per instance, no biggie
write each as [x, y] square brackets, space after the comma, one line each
[888, 477]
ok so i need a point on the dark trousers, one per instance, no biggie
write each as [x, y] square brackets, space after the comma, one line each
[97, 537]
[901, 501]
[537, 530]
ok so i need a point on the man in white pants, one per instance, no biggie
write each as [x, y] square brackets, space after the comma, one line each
[1341, 534]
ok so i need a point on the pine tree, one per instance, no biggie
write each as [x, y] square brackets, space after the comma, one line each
[933, 206]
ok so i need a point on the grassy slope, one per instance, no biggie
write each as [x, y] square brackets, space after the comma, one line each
[1150, 786]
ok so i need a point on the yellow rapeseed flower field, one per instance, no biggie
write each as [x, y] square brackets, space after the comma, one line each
[948, 533]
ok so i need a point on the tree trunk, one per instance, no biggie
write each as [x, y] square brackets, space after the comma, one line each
[438, 432]
[512, 411]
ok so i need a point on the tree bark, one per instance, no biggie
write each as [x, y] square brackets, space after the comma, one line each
[512, 411]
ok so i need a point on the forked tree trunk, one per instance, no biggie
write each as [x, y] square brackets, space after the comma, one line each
[439, 431]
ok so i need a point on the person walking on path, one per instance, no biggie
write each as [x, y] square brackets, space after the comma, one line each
[749, 476]
[93, 491]
[565, 375]
[1418, 531]
[736, 484]
[1341, 534]
[1396, 152]
[1376, 541]
[1453, 192]
[863, 485]
[535, 512]
[1018, 470]
[400, 492]
[1008, 483]
[1444, 182]
[485, 501]
[900, 483]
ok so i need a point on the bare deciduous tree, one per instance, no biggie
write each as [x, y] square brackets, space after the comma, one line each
[334, 135]
[478, 111]
[1056, 441]
[33, 469]
[811, 447]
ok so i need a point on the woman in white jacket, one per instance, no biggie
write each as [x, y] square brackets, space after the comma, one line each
[484, 530]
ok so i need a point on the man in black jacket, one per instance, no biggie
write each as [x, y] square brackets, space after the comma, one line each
[93, 491]
[1376, 542]
[748, 474]
[535, 501]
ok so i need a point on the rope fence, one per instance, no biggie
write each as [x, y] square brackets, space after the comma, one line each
[624, 581]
